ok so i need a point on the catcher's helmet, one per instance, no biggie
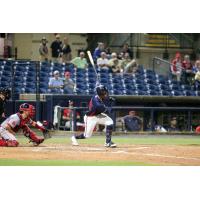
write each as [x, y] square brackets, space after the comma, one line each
[101, 90]
[6, 92]
[28, 107]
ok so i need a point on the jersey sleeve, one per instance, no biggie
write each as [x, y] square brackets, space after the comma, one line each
[13, 121]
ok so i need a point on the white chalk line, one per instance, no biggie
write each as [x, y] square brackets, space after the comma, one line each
[115, 151]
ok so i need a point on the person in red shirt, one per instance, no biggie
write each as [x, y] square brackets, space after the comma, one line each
[187, 69]
[67, 116]
[176, 67]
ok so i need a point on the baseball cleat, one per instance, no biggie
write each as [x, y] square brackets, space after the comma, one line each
[74, 141]
[110, 144]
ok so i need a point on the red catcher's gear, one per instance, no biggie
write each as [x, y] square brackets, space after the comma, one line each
[8, 143]
[28, 107]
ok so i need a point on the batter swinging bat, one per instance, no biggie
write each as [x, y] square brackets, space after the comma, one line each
[92, 62]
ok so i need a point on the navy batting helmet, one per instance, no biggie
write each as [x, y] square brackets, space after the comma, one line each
[101, 90]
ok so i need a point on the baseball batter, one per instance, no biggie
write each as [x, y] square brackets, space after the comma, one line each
[18, 121]
[97, 115]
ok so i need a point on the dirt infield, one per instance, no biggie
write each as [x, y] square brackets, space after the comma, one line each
[149, 154]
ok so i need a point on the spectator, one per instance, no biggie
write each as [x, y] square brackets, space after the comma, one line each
[103, 61]
[131, 67]
[176, 67]
[125, 61]
[187, 69]
[66, 51]
[56, 83]
[67, 118]
[173, 125]
[43, 50]
[132, 122]
[80, 62]
[98, 50]
[114, 63]
[56, 48]
[69, 85]
[196, 70]
[126, 49]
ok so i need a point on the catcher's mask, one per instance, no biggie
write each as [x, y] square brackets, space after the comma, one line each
[27, 107]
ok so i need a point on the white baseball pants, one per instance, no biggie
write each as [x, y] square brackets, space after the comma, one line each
[92, 121]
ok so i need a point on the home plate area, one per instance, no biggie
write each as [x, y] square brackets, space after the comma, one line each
[157, 154]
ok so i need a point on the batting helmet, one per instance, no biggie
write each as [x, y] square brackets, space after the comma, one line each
[101, 90]
[28, 107]
[6, 92]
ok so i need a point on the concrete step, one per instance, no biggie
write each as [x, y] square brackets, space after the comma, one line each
[156, 36]
[153, 41]
[162, 45]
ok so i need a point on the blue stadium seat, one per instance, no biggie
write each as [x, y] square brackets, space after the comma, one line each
[30, 84]
[43, 90]
[18, 79]
[177, 93]
[30, 79]
[141, 92]
[189, 93]
[5, 78]
[30, 90]
[5, 84]
[166, 93]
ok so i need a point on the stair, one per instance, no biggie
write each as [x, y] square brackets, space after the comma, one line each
[160, 40]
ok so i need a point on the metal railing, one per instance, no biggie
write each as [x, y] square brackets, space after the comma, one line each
[151, 111]
[161, 66]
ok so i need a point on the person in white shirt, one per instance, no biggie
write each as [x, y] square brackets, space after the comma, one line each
[102, 62]
[56, 82]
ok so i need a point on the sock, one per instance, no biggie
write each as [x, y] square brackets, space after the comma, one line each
[109, 133]
[81, 136]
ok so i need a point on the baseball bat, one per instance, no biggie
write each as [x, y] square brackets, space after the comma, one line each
[93, 65]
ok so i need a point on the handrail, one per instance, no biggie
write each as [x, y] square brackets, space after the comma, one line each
[157, 58]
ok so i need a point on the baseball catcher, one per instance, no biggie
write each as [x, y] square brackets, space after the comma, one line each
[19, 121]
[97, 114]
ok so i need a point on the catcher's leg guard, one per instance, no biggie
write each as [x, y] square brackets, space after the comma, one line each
[32, 135]
[8, 143]
[109, 133]
[3, 143]
[12, 143]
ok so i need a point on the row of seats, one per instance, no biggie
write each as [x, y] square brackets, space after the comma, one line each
[144, 82]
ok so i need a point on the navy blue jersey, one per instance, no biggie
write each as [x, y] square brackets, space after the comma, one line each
[96, 106]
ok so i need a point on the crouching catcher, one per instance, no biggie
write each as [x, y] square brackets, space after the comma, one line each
[19, 121]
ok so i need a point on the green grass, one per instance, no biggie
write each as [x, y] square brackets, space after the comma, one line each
[157, 140]
[13, 162]
[133, 140]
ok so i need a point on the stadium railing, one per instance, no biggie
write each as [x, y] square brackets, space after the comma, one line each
[151, 110]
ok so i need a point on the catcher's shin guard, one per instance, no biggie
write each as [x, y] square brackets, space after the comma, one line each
[12, 143]
[3, 143]
[32, 136]
[109, 133]
[8, 143]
